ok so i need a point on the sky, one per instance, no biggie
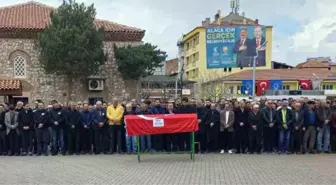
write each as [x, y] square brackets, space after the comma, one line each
[301, 28]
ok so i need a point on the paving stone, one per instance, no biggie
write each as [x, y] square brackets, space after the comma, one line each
[170, 169]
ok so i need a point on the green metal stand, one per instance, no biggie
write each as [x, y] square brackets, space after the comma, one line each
[138, 151]
[192, 144]
[192, 148]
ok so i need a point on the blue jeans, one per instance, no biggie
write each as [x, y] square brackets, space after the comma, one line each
[131, 143]
[146, 140]
[57, 140]
[323, 136]
[284, 136]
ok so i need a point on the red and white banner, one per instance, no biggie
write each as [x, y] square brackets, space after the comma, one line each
[137, 125]
[262, 85]
[305, 85]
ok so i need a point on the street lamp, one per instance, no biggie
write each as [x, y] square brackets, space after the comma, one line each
[260, 48]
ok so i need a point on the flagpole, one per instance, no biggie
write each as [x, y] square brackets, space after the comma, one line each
[255, 67]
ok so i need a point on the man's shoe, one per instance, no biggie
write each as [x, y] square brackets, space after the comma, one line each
[222, 152]
[230, 152]
[24, 154]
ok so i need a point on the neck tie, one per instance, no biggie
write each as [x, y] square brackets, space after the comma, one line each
[258, 43]
[242, 42]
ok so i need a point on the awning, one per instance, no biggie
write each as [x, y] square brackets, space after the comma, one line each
[12, 87]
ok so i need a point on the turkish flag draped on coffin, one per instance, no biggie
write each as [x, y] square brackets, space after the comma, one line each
[262, 85]
[137, 125]
[305, 84]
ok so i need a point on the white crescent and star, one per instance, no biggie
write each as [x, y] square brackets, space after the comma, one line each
[263, 84]
[304, 84]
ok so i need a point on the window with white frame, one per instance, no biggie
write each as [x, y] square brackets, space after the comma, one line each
[19, 67]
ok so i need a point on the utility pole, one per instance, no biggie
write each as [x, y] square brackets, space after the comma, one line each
[260, 48]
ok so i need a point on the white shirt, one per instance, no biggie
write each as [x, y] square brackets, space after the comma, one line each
[227, 117]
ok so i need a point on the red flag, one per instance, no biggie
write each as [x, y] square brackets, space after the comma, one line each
[305, 84]
[262, 85]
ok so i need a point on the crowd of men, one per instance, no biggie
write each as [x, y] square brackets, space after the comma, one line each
[229, 126]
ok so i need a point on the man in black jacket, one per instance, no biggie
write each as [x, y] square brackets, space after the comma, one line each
[269, 127]
[26, 125]
[57, 122]
[212, 121]
[201, 134]
[3, 141]
[74, 127]
[184, 138]
[241, 127]
[41, 124]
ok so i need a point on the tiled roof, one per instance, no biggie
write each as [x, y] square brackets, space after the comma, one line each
[36, 16]
[313, 64]
[284, 74]
[10, 84]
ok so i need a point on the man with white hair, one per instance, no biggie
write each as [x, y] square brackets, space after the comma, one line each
[297, 128]
[100, 128]
[255, 125]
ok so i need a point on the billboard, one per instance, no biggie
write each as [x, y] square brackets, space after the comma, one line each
[235, 46]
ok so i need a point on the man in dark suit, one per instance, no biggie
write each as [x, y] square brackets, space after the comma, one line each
[256, 42]
[255, 125]
[297, 128]
[242, 48]
[285, 123]
[269, 119]
[241, 127]
[212, 121]
[3, 137]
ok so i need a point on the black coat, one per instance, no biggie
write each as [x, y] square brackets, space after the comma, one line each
[266, 113]
[26, 118]
[57, 115]
[241, 117]
[2, 121]
[201, 114]
[73, 117]
[255, 119]
[298, 122]
[212, 116]
[41, 117]
[187, 110]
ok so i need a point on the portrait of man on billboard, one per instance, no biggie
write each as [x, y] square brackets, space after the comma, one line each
[256, 42]
[243, 49]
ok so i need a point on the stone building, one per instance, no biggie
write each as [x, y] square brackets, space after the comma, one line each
[21, 75]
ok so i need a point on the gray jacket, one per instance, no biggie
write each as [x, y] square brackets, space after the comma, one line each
[8, 122]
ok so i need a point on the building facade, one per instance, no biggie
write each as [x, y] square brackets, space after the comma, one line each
[195, 47]
[19, 55]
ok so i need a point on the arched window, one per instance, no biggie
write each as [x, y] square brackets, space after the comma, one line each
[19, 67]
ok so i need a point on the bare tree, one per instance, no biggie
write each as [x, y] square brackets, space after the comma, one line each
[210, 86]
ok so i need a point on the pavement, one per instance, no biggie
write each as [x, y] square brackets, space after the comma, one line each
[170, 169]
